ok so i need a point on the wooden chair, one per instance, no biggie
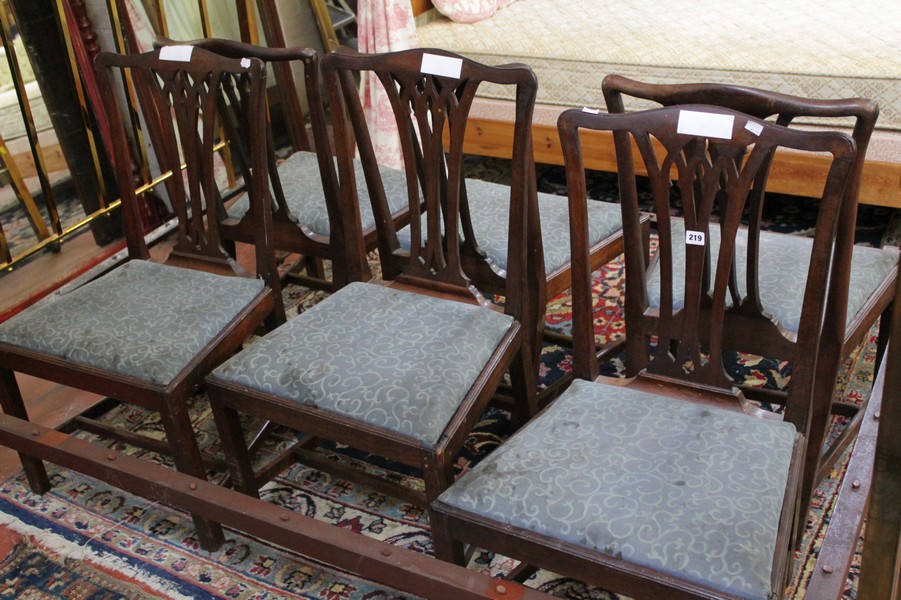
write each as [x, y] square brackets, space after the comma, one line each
[487, 217]
[402, 369]
[669, 485]
[147, 333]
[486, 223]
[772, 267]
[310, 218]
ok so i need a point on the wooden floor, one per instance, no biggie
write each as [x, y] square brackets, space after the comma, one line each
[46, 270]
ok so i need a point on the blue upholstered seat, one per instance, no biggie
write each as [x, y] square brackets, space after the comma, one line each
[781, 289]
[302, 184]
[489, 205]
[144, 320]
[690, 490]
[397, 360]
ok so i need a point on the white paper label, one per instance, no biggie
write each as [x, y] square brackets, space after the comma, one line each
[176, 53]
[445, 66]
[692, 122]
[753, 127]
[591, 111]
[694, 238]
[245, 63]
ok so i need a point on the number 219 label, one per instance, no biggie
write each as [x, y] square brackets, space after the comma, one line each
[694, 238]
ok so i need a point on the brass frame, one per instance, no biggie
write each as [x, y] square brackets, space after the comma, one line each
[45, 238]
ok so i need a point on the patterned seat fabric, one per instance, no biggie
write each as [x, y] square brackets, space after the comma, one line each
[489, 205]
[404, 362]
[631, 475]
[302, 184]
[153, 319]
[781, 289]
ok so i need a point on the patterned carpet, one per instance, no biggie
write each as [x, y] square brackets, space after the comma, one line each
[42, 573]
[90, 537]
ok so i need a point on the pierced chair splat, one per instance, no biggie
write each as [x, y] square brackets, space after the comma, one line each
[487, 223]
[146, 333]
[405, 367]
[669, 484]
[310, 217]
[772, 267]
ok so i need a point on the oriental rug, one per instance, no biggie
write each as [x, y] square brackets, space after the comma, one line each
[85, 539]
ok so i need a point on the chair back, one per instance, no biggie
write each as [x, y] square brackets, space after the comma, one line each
[713, 159]
[431, 93]
[178, 90]
[295, 120]
[784, 109]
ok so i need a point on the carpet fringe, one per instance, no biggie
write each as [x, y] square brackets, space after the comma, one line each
[70, 550]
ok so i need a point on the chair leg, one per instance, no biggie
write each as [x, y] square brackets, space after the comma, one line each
[312, 265]
[827, 369]
[446, 548]
[13, 405]
[885, 327]
[523, 377]
[437, 473]
[637, 351]
[186, 454]
[237, 455]
[533, 308]
[816, 436]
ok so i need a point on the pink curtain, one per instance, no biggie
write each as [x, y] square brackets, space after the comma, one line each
[383, 26]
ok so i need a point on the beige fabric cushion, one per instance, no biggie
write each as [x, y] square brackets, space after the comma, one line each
[847, 49]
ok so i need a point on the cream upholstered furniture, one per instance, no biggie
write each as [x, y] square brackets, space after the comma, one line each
[403, 368]
[669, 484]
[469, 11]
[815, 48]
[147, 333]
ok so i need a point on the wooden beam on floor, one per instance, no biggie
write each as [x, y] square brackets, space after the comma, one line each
[880, 569]
[830, 573]
[376, 561]
[49, 404]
